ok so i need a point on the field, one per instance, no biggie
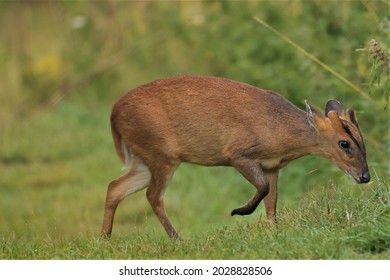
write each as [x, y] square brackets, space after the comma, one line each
[63, 71]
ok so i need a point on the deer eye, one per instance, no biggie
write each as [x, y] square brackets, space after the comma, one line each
[344, 145]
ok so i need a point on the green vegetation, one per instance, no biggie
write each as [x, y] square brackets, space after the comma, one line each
[66, 62]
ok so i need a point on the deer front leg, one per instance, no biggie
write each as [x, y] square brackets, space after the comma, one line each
[271, 198]
[252, 171]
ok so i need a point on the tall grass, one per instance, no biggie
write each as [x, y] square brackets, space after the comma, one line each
[328, 224]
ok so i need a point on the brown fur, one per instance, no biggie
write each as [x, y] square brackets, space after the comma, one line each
[214, 121]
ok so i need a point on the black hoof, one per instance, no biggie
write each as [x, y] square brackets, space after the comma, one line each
[242, 211]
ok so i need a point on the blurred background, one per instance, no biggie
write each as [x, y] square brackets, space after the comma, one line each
[64, 63]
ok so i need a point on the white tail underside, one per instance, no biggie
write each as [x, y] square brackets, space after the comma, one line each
[126, 151]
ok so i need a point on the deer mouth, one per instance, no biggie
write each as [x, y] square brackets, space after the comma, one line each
[362, 178]
[365, 178]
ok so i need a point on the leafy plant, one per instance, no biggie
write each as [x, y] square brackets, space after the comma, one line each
[380, 68]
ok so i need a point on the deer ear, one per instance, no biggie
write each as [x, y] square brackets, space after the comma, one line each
[336, 122]
[314, 117]
[351, 117]
[334, 105]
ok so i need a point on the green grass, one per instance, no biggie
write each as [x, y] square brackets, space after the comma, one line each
[53, 182]
[318, 229]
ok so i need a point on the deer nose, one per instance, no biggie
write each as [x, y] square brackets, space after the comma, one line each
[365, 177]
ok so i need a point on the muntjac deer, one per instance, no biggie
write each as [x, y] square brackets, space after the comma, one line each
[218, 122]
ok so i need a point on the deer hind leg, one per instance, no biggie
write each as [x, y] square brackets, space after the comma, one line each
[252, 171]
[155, 195]
[135, 180]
